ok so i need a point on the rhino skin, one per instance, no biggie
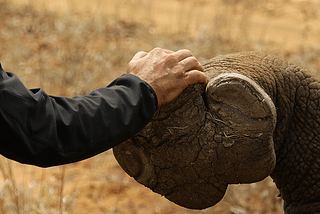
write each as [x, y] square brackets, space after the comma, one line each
[257, 116]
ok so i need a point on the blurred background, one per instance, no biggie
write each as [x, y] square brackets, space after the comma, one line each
[71, 47]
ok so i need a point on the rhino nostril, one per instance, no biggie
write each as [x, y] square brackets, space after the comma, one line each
[129, 158]
[136, 162]
[132, 163]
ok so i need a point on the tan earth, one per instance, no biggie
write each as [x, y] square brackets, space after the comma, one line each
[98, 185]
[287, 22]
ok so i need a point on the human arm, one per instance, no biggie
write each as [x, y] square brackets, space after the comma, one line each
[45, 130]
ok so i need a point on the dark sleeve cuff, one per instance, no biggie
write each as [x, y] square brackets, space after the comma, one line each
[152, 92]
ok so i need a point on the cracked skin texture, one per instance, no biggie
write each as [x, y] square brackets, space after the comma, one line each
[258, 116]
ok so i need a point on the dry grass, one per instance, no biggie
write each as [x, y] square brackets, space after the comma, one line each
[72, 47]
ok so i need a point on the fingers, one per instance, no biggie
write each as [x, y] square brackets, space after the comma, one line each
[188, 61]
[182, 54]
[191, 68]
[191, 63]
[195, 76]
[139, 55]
[168, 51]
[194, 71]
[159, 51]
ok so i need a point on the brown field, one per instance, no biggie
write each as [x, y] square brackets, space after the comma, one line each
[70, 47]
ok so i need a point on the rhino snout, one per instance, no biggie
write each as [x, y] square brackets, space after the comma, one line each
[205, 139]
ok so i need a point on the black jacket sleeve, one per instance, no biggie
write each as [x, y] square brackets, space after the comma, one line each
[45, 130]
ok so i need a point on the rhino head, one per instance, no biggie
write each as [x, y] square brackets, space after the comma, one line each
[208, 137]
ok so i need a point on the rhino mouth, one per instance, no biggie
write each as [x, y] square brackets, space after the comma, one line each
[207, 138]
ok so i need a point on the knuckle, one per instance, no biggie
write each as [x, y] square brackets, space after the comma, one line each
[187, 51]
[141, 52]
[191, 63]
[180, 74]
[157, 49]
[171, 58]
[193, 60]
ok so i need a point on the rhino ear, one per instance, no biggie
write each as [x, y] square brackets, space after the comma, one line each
[246, 140]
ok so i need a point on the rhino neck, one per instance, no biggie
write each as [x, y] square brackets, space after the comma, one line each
[296, 96]
[297, 140]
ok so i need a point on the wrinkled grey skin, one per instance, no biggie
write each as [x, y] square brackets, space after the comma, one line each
[258, 116]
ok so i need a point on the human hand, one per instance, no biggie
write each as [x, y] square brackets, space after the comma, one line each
[167, 72]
